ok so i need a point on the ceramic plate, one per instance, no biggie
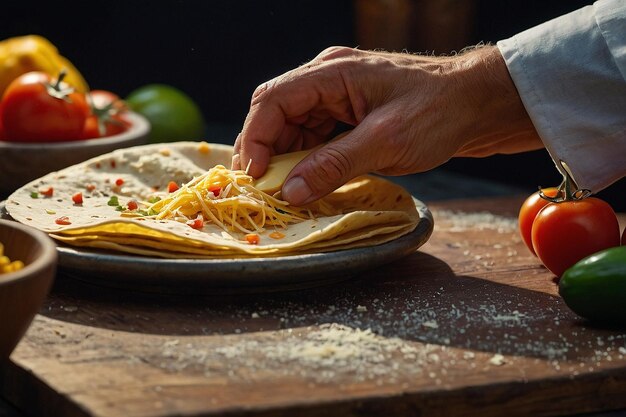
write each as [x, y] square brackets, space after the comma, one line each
[223, 275]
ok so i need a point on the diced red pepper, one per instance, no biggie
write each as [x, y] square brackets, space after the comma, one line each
[47, 192]
[63, 220]
[215, 190]
[113, 163]
[119, 182]
[172, 186]
[78, 198]
[132, 205]
[196, 223]
[253, 238]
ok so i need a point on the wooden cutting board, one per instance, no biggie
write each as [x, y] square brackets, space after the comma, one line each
[471, 324]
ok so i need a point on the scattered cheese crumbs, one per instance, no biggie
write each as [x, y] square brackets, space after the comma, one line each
[165, 151]
[431, 324]
[469, 355]
[461, 221]
[497, 360]
[361, 309]
[255, 315]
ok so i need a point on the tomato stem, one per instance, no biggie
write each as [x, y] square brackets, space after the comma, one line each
[56, 89]
[568, 189]
[57, 84]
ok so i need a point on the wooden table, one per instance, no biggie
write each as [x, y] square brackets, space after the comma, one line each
[471, 324]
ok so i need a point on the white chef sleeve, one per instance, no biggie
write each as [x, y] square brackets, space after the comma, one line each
[571, 75]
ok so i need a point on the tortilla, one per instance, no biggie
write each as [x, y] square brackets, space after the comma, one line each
[367, 211]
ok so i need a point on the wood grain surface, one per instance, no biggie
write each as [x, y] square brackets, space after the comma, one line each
[471, 324]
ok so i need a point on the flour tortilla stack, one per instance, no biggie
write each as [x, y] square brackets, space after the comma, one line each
[367, 211]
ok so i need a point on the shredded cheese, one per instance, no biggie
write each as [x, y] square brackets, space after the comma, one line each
[228, 199]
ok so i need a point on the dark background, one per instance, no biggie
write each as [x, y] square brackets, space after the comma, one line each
[219, 51]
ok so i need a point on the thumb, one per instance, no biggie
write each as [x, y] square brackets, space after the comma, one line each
[327, 169]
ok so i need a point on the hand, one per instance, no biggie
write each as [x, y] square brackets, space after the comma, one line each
[411, 113]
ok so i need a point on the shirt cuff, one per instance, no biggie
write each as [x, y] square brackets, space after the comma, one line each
[569, 73]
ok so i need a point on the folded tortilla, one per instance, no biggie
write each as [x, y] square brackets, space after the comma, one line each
[367, 211]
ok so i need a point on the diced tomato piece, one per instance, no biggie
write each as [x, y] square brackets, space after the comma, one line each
[196, 223]
[63, 220]
[90, 187]
[47, 192]
[172, 186]
[253, 238]
[78, 198]
[132, 205]
[119, 182]
[215, 190]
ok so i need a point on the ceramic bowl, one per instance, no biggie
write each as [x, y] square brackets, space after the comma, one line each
[23, 292]
[21, 163]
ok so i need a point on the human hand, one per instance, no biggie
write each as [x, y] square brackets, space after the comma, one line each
[411, 113]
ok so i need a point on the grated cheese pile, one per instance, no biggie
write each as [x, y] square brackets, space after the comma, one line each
[228, 199]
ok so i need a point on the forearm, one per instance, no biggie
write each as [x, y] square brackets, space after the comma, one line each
[501, 123]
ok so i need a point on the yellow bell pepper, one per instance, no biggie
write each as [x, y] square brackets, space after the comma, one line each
[23, 54]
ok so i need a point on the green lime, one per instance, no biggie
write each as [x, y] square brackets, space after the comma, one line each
[173, 115]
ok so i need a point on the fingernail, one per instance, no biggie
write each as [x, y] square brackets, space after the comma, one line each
[234, 164]
[297, 191]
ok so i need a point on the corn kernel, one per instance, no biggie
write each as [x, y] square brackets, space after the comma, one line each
[6, 265]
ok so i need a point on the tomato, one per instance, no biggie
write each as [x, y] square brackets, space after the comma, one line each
[172, 186]
[114, 125]
[37, 108]
[132, 205]
[107, 115]
[253, 238]
[196, 223]
[77, 198]
[565, 232]
[529, 211]
[101, 99]
[172, 114]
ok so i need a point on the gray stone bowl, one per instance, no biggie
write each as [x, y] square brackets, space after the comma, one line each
[21, 163]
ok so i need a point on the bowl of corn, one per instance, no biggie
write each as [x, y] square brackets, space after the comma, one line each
[28, 261]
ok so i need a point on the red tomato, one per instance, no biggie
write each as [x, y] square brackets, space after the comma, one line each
[1, 127]
[253, 238]
[37, 108]
[529, 211]
[132, 205]
[107, 115]
[113, 125]
[78, 198]
[48, 192]
[196, 223]
[565, 232]
[101, 99]
[63, 220]
[172, 186]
